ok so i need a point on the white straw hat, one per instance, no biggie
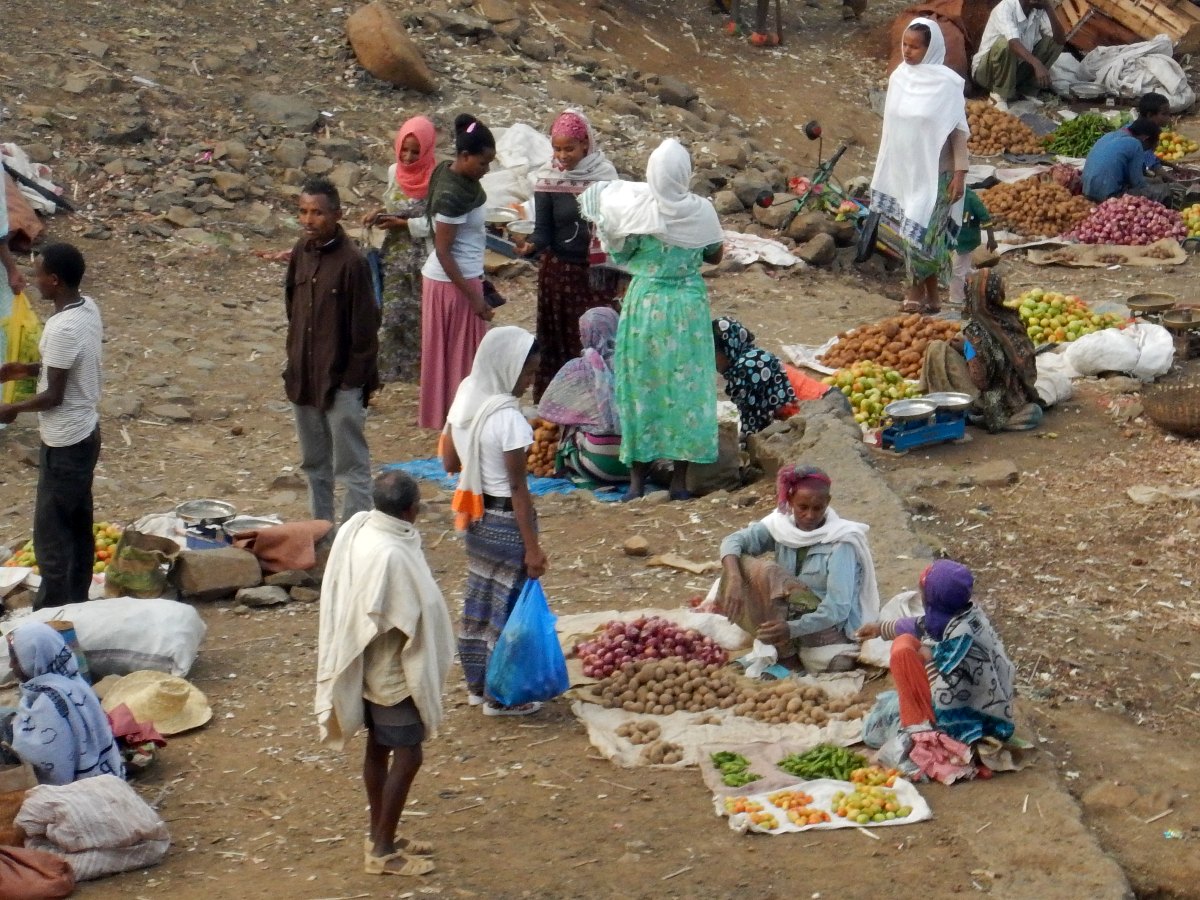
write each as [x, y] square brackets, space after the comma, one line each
[171, 704]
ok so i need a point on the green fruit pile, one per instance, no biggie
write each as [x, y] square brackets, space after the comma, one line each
[870, 387]
[1051, 317]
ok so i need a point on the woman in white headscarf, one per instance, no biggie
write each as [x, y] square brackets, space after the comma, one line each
[921, 170]
[665, 390]
[485, 441]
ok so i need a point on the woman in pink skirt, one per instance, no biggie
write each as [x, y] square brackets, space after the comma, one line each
[454, 314]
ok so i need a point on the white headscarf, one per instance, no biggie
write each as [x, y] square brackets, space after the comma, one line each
[488, 389]
[663, 206]
[594, 166]
[924, 105]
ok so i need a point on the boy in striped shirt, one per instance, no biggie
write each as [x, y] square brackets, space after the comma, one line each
[67, 404]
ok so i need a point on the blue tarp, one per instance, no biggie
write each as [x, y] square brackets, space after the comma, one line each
[431, 470]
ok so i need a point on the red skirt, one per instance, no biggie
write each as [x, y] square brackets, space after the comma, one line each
[564, 294]
[450, 335]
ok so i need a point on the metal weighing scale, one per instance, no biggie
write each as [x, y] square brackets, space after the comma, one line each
[1184, 326]
[932, 419]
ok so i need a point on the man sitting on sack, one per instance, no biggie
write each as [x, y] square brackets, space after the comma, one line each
[385, 645]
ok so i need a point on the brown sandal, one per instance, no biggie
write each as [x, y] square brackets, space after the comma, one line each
[413, 865]
[404, 845]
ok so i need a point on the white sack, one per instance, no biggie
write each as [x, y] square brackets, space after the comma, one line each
[1109, 350]
[1156, 348]
[1135, 69]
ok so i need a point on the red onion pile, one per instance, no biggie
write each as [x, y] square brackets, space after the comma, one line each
[644, 638]
[1129, 220]
[1068, 176]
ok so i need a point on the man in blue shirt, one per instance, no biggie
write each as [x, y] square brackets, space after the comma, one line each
[1116, 164]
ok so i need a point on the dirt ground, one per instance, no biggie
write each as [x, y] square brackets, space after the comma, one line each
[1094, 595]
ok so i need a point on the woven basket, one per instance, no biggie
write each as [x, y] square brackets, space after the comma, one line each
[1175, 406]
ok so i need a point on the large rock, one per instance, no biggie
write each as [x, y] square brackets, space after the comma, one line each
[773, 216]
[807, 226]
[497, 11]
[291, 112]
[727, 203]
[384, 49]
[459, 24]
[675, 92]
[263, 595]
[290, 153]
[748, 185]
[572, 93]
[215, 574]
[820, 251]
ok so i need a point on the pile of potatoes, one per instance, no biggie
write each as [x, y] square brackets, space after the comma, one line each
[665, 686]
[896, 343]
[540, 461]
[662, 753]
[995, 131]
[1036, 207]
[643, 732]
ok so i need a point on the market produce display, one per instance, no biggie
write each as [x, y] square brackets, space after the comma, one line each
[734, 768]
[665, 686]
[1077, 137]
[1035, 207]
[1068, 176]
[874, 776]
[1173, 146]
[106, 536]
[540, 461]
[798, 806]
[870, 387]
[869, 804]
[645, 638]
[823, 761]
[897, 342]
[1051, 317]
[644, 732]
[1129, 220]
[996, 131]
[1191, 219]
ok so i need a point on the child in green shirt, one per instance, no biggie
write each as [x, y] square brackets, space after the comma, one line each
[975, 218]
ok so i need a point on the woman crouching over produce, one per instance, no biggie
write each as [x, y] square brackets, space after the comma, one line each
[820, 588]
[949, 665]
[993, 360]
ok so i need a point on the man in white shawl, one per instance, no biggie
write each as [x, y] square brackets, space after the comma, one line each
[920, 173]
[385, 646]
[820, 588]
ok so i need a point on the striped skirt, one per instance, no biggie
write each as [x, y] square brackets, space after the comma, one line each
[495, 576]
[591, 459]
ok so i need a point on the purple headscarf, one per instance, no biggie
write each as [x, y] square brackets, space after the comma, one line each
[583, 393]
[946, 587]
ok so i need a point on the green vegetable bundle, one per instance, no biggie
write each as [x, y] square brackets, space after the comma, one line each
[823, 761]
[734, 768]
[1078, 136]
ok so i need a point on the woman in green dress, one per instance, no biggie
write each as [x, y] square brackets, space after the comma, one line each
[404, 249]
[666, 393]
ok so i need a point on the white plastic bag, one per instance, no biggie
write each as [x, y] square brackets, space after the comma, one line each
[1054, 376]
[1157, 349]
[1109, 350]
[877, 651]
[760, 658]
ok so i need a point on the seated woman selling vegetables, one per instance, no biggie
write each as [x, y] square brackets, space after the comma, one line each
[820, 588]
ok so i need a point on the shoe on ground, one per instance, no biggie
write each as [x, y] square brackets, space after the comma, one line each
[474, 699]
[523, 709]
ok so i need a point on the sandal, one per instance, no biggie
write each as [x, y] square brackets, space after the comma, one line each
[404, 845]
[911, 306]
[413, 865]
[758, 39]
[732, 28]
[491, 708]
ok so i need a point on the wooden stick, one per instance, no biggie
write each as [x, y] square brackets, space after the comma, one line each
[586, 862]
[1161, 815]
[873, 837]
[464, 808]
[677, 872]
[981, 827]
[614, 784]
[543, 741]
[662, 47]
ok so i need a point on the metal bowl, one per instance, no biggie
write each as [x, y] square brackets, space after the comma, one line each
[205, 512]
[1087, 90]
[949, 400]
[500, 215]
[238, 524]
[523, 227]
[908, 410]
[1152, 303]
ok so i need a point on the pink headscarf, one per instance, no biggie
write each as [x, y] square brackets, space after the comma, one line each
[571, 125]
[792, 476]
[414, 178]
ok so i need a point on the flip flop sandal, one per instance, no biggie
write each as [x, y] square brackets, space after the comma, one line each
[411, 845]
[413, 865]
[910, 308]
[758, 39]
[732, 28]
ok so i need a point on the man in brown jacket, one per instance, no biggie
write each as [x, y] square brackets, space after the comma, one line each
[332, 344]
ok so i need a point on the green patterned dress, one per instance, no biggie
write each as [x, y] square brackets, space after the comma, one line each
[664, 362]
[404, 252]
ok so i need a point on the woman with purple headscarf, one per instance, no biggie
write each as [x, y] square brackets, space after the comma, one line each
[949, 665]
[582, 400]
[820, 588]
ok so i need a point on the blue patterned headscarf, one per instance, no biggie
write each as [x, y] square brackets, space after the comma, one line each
[60, 728]
[755, 380]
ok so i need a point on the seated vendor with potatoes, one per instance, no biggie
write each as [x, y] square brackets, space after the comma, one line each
[1116, 164]
[811, 599]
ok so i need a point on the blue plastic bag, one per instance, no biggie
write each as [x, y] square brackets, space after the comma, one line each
[527, 662]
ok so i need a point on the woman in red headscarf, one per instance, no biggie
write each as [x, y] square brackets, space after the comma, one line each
[819, 587]
[404, 249]
[566, 286]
